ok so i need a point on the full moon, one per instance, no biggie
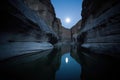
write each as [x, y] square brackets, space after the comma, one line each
[67, 20]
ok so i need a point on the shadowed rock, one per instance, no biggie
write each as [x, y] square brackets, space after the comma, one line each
[100, 31]
[23, 29]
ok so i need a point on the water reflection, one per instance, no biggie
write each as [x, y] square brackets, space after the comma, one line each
[97, 66]
[69, 70]
[37, 66]
[62, 63]
[66, 59]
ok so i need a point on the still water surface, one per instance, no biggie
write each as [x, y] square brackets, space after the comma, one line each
[61, 63]
[69, 69]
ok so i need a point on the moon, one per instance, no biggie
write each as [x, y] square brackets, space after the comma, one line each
[67, 20]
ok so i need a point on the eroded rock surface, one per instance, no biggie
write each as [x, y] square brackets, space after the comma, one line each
[100, 29]
[22, 27]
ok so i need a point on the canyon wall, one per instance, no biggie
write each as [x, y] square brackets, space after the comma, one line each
[100, 28]
[75, 30]
[65, 34]
[25, 30]
[45, 10]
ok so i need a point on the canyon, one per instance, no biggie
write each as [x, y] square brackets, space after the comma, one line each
[100, 27]
[28, 26]
[32, 25]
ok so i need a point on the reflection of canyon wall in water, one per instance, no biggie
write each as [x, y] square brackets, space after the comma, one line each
[32, 67]
[65, 49]
[73, 53]
[96, 66]
[100, 28]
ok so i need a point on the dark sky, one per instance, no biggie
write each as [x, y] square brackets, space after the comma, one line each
[68, 9]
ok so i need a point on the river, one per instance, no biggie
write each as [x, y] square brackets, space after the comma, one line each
[64, 62]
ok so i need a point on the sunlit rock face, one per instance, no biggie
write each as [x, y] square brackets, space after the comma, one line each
[100, 30]
[22, 26]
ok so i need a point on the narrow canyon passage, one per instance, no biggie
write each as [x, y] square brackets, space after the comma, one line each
[52, 65]
[60, 40]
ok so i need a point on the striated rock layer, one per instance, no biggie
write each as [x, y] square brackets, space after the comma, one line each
[22, 30]
[65, 34]
[75, 30]
[45, 10]
[100, 28]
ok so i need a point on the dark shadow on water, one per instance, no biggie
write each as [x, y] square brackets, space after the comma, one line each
[97, 66]
[66, 62]
[31, 67]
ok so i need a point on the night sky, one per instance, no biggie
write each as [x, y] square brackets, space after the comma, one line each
[68, 9]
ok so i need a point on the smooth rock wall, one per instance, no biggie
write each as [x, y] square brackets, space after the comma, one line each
[22, 28]
[100, 28]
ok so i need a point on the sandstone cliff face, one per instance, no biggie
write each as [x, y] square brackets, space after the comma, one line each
[45, 10]
[100, 30]
[65, 34]
[75, 30]
[57, 28]
[22, 29]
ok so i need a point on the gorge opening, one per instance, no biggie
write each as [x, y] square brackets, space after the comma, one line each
[60, 40]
